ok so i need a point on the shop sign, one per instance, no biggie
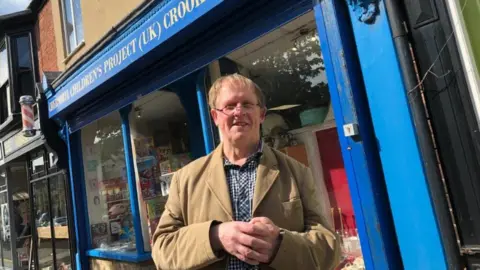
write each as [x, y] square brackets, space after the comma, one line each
[172, 18]
[16, 142]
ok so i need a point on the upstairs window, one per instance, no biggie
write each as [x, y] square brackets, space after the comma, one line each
[4, 84]
[23, 67]
[72, 24]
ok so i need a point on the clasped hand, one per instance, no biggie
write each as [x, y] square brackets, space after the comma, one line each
[253, 242]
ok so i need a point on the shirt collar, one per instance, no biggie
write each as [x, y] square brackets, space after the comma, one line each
[254, 156]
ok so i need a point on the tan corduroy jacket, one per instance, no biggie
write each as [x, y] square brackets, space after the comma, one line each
[284, 192]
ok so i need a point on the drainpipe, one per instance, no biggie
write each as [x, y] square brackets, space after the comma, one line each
[438, 189]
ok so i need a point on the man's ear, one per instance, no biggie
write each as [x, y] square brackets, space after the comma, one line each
[263, 114]
[214, 115]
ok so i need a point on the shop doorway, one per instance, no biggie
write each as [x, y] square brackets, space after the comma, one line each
[50, 213]
[5, 247]
[288, 65]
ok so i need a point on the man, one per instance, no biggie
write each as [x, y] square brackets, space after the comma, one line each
[244, 206]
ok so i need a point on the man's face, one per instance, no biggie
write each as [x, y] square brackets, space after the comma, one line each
[242, 126]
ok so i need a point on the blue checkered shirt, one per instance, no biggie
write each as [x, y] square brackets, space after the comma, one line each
[241, 185]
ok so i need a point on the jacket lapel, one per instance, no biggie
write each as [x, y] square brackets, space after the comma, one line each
[267, 173]
[217, 182]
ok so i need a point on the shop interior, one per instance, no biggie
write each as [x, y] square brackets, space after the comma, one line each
[162, 145]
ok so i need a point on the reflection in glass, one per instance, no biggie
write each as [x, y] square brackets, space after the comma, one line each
[38, 165]
[3, 63]
[18, 186]
[108, 195]
[60, 221]
[23, 65]
[288, 66]
[73, 23]
[42, 222]
[5, 242]
[77, 13]
[4, 110]
[69, 28]
[24, 60]
[159, 151]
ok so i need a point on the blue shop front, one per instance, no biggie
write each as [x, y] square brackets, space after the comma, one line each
[136, 111]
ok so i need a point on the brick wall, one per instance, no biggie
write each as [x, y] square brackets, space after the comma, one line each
[45, 38]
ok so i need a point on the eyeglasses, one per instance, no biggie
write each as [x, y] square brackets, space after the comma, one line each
[230, 109]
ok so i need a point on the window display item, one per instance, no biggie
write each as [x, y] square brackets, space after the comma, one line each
[165, 181]
[146, 170]
[99, 234]
[115, 227]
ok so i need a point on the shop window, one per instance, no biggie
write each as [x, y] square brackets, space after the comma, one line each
[51, 215]
[4, 86]
[160, 133]
[72, 24]
[288, 65]
[50, 208]
[22, 222]
[37, 165]
[4, 103]
[108, 194]
[5, 244]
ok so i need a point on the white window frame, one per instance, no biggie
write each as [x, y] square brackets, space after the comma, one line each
[7, 84]
[65, 32]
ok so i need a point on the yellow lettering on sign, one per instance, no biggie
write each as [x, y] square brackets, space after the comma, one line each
[151, 30]
[181, 9]
[190, 5]
[173, 15]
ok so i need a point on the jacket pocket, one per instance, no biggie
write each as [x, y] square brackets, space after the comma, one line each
[293, 214]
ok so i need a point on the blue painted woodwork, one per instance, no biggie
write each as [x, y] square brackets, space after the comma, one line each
[80, 212]
[204, 112]
[413, 214]
[366, 184]
[154, 31]
[131, 179]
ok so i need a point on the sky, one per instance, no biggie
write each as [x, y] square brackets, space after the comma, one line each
[11, 6]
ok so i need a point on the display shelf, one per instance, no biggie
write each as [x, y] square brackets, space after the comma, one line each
[121, 200]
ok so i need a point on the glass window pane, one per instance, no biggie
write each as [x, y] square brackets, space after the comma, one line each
[5, 244]
[4, 112]
[24, 56]
[288, 66]
[160, 149]
[111, 223]
[471, 15]
[60, 221]
[3, 180]
[77, 13]
[18, 186]
[38, 165]
[42, 223]
[25, 81]
[3, 64]
[69, 27]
